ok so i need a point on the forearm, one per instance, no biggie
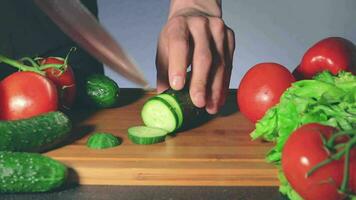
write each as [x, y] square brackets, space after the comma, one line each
[206, 7]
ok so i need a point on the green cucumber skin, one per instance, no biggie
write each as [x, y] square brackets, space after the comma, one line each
[168, 105]
[102, 91]
[102, 141]
[30, 172]
[177, 108]
[34, 134]
[191, 113]
[146, 141]
[137, 138]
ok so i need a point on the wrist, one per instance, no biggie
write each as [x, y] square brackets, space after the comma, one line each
[190, 7]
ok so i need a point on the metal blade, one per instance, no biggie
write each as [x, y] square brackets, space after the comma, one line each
[74, 19]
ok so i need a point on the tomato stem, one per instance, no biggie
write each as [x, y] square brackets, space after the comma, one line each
[68, 54]
[30, 60]
[20, 66]
[57, 66]
[330, 143]
[336, 156]
[345, 179]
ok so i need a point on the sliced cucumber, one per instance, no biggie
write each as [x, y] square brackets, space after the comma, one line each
[146, 135]
[177, 108]
[158, 113]
[191, 113]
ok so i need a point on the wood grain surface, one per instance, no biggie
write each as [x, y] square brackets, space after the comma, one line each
[217, 153]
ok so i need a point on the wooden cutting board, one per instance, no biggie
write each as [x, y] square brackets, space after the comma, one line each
[217, 153]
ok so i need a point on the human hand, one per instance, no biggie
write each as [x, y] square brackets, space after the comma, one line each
[196, 35]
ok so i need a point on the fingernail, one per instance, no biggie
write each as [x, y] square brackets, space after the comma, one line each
[177, 82]
[199, 99]
[211, 108]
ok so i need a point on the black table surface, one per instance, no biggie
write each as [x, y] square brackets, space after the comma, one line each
[153, 192]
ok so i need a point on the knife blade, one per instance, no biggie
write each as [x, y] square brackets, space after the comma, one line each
[75, 20]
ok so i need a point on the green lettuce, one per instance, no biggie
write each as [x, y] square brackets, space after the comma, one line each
[326, 99]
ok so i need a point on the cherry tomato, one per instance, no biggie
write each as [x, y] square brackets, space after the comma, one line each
[64, 81]
[261, 88]
[302, 151]
[26, 94]
[333, 54]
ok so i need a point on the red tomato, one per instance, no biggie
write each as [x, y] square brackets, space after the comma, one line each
[261, 88]
[302, 151]
[26, 94]
[333, 54]
[65, 82]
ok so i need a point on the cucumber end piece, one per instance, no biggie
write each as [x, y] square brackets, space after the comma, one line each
[103, 141]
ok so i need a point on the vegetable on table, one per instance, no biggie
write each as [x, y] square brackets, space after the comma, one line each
[326, 99]
[56, 69]
[261, 88]
[158, 113]
[63, 77]
[164, 114]
[334, 54]
[146, 135]
[102, 91]
[26, 94]
[30, 172]
[316, 166]
[34, 134]
[103, 141]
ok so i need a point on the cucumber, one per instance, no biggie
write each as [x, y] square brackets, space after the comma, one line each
[102, 141]
[169, 112]
[102, 91]
[191, 113]
[175, 105]
[146, 135]
[29, 172]
[158, 113]
[34, 134]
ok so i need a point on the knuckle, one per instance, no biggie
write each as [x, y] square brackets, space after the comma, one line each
[204, 58]
[199, 85]
[199, 20]
[174, 25]
[217, 24]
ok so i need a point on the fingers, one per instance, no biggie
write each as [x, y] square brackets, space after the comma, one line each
[230, 49]
[205, 43]
[218, 74]
[202, 59]
[162, 65]
[178, 52]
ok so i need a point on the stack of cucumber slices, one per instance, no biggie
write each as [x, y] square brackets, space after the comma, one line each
[163, 114]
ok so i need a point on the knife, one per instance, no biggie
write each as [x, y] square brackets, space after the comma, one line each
[75, 20]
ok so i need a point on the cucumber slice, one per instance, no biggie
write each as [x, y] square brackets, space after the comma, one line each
[158, 113]
[146, 135]
[103, 141]
[177, 108]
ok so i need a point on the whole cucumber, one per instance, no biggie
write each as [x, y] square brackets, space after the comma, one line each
[34, 134]
[29, 172]
[102, 91]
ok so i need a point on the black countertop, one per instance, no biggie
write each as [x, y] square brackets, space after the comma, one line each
[153, 192]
